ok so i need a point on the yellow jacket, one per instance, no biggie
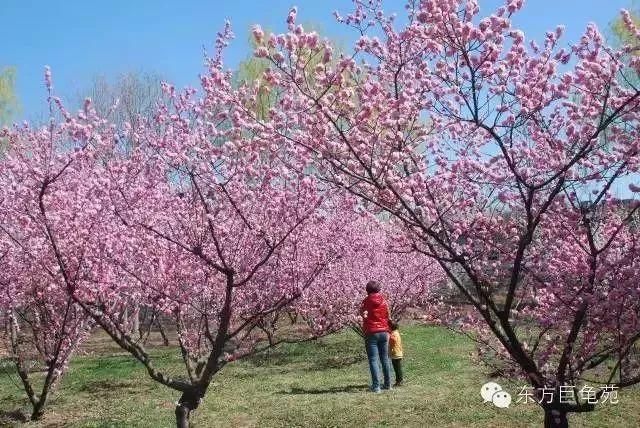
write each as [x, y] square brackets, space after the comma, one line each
[395, 345]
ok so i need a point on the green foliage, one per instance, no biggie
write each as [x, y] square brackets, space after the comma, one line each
[9, 105]
[620, 33]
[252, 69]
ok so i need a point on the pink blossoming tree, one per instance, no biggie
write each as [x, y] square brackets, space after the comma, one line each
[373, 251]
[501, 157]
[206, 221]
[43, 324]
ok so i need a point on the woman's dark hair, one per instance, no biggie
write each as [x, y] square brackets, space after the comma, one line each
[393, 325]
[373, 287]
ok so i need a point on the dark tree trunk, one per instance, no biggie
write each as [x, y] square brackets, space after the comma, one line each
[38, 410]
[293, 317]
[165, 339]
[554, 418]
[188, 402]
[40, 402]
[182, 415]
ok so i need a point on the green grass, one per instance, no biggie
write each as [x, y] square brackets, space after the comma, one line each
[318, 384]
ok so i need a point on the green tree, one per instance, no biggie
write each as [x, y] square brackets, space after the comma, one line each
[252, 69]
[9, 105]
[620, 33]
[127, 98]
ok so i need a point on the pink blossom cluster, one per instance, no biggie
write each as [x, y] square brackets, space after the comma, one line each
[449, 150]
[203, 216]
[511, 163]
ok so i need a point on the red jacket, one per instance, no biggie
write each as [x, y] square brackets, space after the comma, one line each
[375, 313]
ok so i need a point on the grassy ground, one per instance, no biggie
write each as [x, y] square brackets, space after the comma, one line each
[321, 384]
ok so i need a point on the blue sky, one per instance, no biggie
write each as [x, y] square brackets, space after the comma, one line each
[84, 39]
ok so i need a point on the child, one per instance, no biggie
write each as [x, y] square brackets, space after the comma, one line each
[395, 351]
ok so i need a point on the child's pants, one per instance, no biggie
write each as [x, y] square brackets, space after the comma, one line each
[397, 368]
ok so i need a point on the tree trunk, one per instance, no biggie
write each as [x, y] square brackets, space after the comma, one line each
[554, 418]
[41, 401]
[165, 339]
[135, 314]
[38, 410]
[188, 402]
[182, 415]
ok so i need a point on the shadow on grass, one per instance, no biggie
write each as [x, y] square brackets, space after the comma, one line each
[313, 351]
[109, 387]
[329, 356]
[95, 386]
[288, 364]
[338, 361]
[331, 390]
[7, 418]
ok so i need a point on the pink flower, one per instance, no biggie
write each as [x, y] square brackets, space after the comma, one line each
[261, 52]
[258, 34]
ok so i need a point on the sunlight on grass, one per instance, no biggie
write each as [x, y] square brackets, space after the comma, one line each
[318, 384]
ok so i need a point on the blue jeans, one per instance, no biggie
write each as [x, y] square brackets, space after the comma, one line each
[378, 351]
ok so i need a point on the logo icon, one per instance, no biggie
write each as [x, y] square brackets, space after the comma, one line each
[492, 392]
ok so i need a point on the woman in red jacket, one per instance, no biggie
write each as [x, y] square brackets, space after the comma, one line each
[375, 324]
